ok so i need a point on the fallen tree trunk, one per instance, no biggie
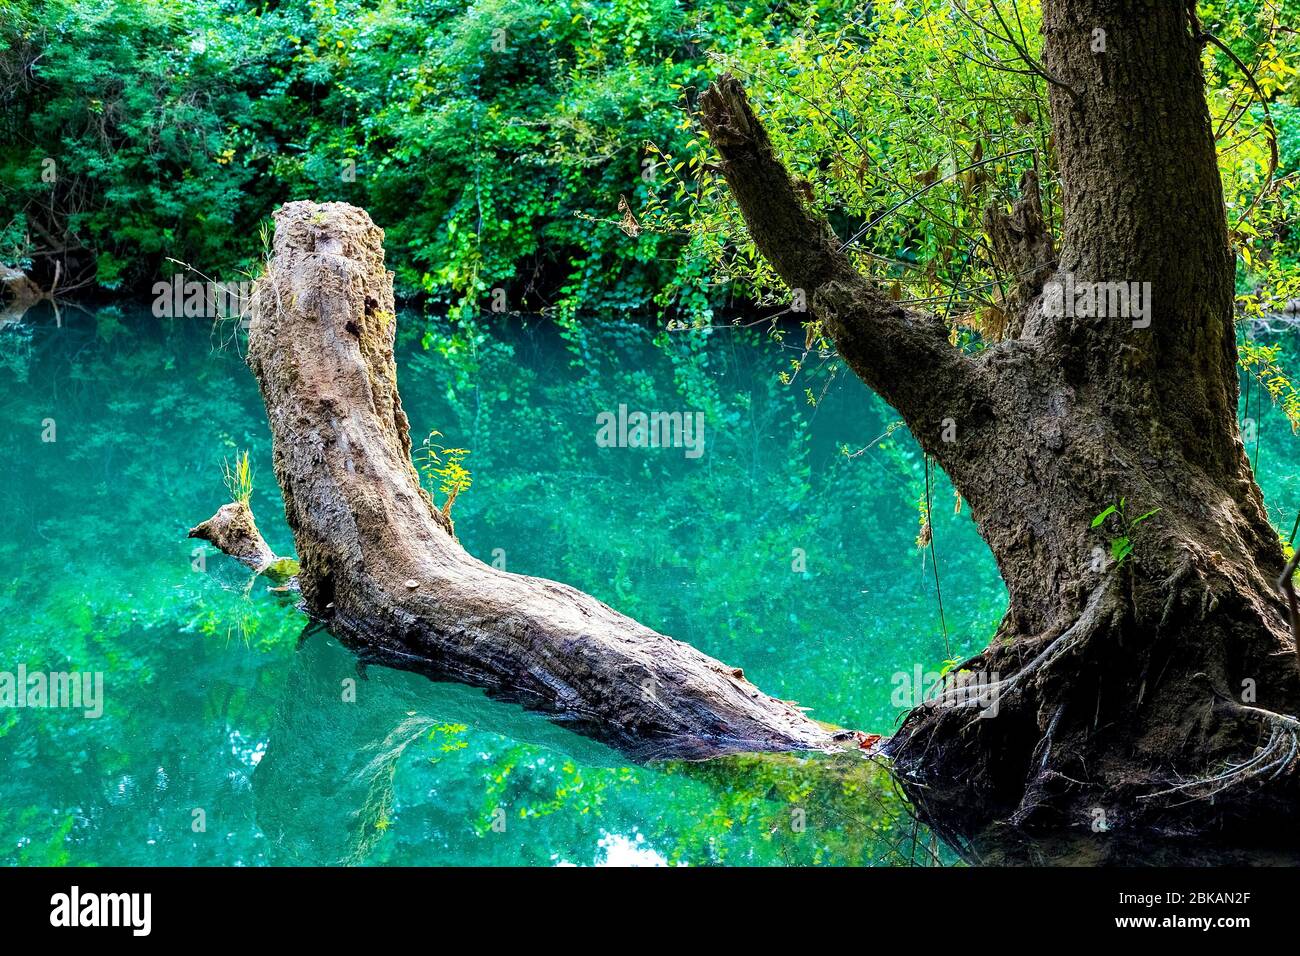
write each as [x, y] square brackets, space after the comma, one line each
[380, 565]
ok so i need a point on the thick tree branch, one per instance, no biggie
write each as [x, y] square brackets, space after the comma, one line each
[903, 354]
[233, 531]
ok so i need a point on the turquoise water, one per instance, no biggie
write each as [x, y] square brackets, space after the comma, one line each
[224, 738]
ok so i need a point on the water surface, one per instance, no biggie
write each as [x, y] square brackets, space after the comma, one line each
[226, 737]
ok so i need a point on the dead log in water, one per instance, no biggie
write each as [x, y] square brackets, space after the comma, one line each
[380, 565]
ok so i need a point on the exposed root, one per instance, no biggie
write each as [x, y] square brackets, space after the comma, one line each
[1097, 613]
[1270, 760]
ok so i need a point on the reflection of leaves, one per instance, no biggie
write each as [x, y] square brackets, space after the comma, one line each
[1263, 362]
[449, 738]
[854, 814]
[108, 324]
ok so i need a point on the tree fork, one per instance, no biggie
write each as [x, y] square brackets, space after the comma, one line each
[882, 341]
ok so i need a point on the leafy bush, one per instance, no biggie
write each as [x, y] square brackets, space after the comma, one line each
[493, 141]
[529, 155]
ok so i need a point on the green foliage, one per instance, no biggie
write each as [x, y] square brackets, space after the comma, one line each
[1263, 363]
[119, 126]
[1259, 145]
[906, 121]
[549, 150]
[15, 245]
[444, 467]
[493, 141]
[903, 136]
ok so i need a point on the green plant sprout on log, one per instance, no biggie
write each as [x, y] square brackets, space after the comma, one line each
[238, 478]
[446, 466]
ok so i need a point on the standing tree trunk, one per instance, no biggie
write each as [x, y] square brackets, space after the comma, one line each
[1127, 693]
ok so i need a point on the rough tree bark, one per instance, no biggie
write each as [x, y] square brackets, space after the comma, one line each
[380, 565]
[1128, 694]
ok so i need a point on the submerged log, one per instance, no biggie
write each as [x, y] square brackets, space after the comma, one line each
[381, 566]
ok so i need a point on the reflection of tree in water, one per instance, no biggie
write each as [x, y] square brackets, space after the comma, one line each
[327, 789]
[15, 349]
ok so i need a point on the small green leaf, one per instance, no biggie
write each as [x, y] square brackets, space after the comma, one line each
[1103, 516]
[1137, 521]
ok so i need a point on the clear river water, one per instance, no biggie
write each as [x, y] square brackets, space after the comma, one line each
[787, 546]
